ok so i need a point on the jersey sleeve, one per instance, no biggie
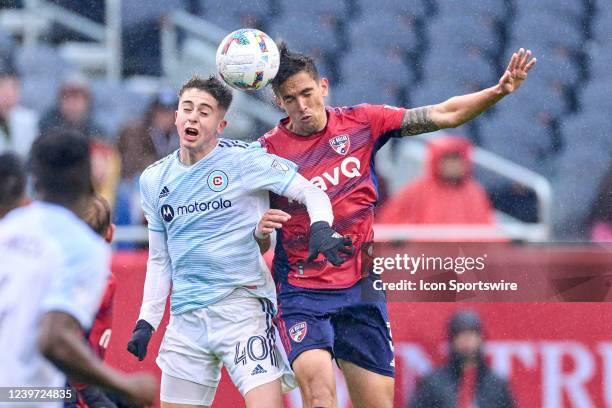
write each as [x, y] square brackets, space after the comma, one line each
[386, 120]
[148, 201]
[79, 282]
[264, 171]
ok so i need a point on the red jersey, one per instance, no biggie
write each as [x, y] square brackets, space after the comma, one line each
[339, 160]
[100, 332]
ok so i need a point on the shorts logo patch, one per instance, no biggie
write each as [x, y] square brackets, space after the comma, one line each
[258, 370]
[298, 331]
[341, 144]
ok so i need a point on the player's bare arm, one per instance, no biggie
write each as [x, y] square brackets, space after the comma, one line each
[271, 220]
[60, 342]
[461, 109]
[417, 121]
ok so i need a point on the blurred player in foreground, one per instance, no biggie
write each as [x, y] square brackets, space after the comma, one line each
[202, 204]
[98, 217]
[12, 183]
[322, 310]
[466, 380]
[52, 275]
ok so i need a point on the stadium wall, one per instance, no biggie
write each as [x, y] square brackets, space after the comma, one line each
[554, 354]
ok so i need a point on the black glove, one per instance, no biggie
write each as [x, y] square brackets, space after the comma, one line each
[140, 339]
[325, 240]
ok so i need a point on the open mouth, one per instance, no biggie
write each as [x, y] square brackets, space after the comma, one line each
[191, 132]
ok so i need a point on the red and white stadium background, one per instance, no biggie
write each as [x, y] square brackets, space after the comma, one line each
[554, 354]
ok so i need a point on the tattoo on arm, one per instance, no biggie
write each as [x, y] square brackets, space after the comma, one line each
[417, 121]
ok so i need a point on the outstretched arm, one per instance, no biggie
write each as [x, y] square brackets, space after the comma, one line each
[461, 109]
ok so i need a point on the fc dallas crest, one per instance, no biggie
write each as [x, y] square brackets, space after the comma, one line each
[341, 144]
[298, 331]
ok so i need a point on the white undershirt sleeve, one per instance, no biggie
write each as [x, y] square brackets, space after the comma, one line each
[316, 201]
[157, 280]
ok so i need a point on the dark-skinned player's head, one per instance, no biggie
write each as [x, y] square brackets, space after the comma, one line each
[12, 182]
[61, 166]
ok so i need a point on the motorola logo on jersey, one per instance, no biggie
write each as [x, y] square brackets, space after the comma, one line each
[349, 167]
[167, 212]
[204, 206]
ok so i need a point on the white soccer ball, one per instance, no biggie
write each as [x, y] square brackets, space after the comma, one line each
[247, 59]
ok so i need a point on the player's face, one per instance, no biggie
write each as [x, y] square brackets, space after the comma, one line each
[198, 120]
[303, 98]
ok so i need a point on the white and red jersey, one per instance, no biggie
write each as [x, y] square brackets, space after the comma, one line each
[339, 160]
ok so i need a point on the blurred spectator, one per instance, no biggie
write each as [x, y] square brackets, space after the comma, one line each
[466, 380]
[18, 125]
[446, 194]
[74, 112]
[150, 139]
[601, 214]
[106, 170]
[516, 200]
[141, 144]
[73, 109]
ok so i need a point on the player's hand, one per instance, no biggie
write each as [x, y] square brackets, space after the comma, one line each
[517, 70]
[325, 240]
[271, 220]
[140, 339]
[141, 388]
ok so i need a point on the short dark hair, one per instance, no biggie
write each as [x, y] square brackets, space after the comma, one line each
[213, 86]
[98, 214]
[292, 63]
[12, 181]
[61, 165]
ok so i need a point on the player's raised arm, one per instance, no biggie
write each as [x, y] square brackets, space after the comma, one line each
[461, 109]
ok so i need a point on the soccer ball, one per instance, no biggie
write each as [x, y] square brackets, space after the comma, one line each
[247, 59]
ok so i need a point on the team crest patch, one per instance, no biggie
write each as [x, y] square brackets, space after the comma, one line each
[341, 144]
[298, 331]
[280, 166]
[217, 180]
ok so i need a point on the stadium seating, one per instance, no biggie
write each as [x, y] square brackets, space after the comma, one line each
[235, 14]
[115, 105]
[474, 8]
[404, 32]
[417, 8]
[411, 52]
[299, 33]
[570, 9]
